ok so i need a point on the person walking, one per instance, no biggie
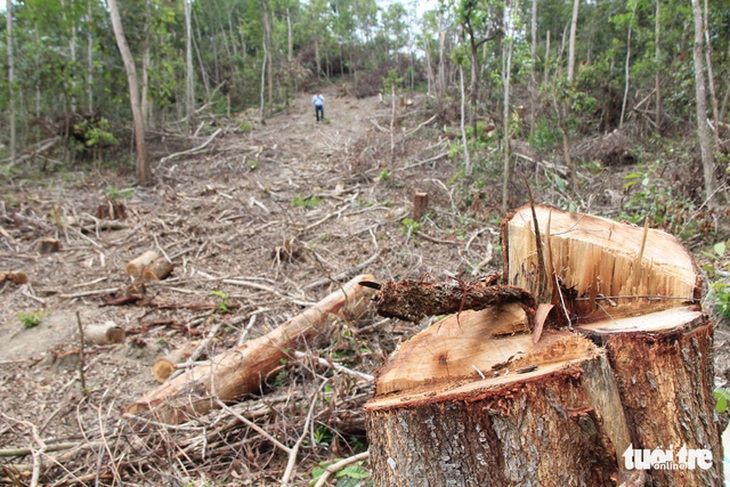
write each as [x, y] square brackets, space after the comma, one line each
[318, 101]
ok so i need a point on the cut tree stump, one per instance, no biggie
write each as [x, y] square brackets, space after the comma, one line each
[241, 370]
[624, 365]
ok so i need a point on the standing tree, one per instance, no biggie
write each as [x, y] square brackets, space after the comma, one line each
[189, 77]
[11, 77]
[143, 168]
[708, 160]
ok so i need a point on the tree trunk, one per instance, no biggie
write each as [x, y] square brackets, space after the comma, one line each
[484, 398]
[571, 46]
[658, 67]
[143, 169]
[627, 67]
[506, 71]
[11, 79]
[243, 369]
[711, 76]
[467, 159]
[708, 160]
[189, 74]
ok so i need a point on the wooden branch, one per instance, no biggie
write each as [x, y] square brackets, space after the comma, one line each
[241, 370]
[336, 467]
[412, 300]
[193, 150]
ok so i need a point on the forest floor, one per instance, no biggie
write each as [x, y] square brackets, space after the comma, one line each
[265, 221]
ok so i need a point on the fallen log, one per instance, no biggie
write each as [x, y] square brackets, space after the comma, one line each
[104, 333]
[157, 270]
[474, 400]
[412, 300]
[240, 370]
[163, 367]
[135, 266]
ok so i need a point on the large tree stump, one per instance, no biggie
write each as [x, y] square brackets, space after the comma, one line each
[473, 400]
[238, 371]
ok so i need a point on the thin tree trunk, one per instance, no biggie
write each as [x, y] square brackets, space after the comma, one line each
[533, 69]
[146, 67]
[441, 89]
[392, 122]
[657, 69]
[289, 39]
[317, 58]
[627, 66]
[89, 60]
[143, 169]
[711, 78]
[11, 78]
[189, 78]
[507, 68]
[708, 162]
[467, 160]
[571, 48]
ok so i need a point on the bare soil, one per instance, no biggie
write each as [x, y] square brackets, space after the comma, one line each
[263, 222]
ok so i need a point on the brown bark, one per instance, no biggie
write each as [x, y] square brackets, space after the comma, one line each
[111, 210]
[238, 371]
[412, 300]
[420, 205]
[475, 400]
[157, 270]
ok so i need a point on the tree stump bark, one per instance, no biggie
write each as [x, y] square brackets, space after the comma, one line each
[624, 364]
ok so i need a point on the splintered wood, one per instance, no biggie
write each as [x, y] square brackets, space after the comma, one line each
[505, 409]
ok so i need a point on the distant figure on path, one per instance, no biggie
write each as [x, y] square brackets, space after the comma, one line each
[318, 101]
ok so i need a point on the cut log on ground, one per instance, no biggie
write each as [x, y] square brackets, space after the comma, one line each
[135, 266]
[238, 371]
[157, 270]
[163, 367]
[473, 400]
[104, 333]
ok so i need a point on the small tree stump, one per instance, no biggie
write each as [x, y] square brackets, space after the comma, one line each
[48, 245]
[420, 205]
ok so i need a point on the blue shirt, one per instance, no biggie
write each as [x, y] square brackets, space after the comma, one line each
[318, 100]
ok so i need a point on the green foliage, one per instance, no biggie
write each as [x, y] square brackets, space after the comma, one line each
[722, 396]
[349, 476]
[309, 202]
[115, 193]
[31, 319]
[246, 127]
[717, 271]
[410, 226]
[224, 303]
[384, 176]
[546, 135]
[95, 132]
[650, 197]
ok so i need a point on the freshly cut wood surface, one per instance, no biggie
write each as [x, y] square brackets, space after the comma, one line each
[163, 367]
[607, 264]
[240, 370]
[559, 422]
[456, 347]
